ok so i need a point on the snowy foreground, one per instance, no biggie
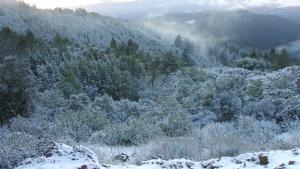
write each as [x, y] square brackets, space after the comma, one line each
[66, 157]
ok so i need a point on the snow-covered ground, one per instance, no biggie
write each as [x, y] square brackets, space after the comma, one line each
[66, 157]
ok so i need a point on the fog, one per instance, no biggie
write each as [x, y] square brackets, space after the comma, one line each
[140, 9]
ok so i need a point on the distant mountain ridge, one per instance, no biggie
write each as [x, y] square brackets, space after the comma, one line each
[255, 30]
[291, 13]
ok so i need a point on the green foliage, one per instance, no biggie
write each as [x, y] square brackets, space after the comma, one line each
[17, 88]
[254, 89]
[107, 76]
[81, 124]
[60, 43]
[254, 54]
[169, 63]
[70, 84]
[13, 43]
[197, 75]
[129, 48]
[178, 41]
[134, 65]
[279, 60]
[176, 125]
[134, 132]
[252, 64]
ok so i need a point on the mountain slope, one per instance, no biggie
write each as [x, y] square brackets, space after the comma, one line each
[259, 31]
[291, 13]
[79, 26]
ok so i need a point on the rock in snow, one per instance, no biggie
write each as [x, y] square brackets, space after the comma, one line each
[66, 157]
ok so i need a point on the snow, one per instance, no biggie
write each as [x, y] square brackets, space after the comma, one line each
[66, 157]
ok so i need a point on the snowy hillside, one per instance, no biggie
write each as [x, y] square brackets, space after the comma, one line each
[67, 157]
[79, 25]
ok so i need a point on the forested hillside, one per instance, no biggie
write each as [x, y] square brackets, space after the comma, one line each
[79, 26]
[255, 30]
[78, 78]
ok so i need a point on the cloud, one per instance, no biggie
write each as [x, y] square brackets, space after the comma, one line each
[247, 3]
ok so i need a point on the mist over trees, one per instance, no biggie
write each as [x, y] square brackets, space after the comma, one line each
[122, 87]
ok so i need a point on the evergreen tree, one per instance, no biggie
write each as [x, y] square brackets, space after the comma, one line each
[16, 88]
[178, 41]
[187, 53]
[132, 47]
[254, 54]
[60, 43]
[113, 44]
[282, 60]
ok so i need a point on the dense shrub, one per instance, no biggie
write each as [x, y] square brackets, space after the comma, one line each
[80, 124]
[107, 76]
[17, 88]
[15, 147]
[252, 64]
[173, 148]
[134, 132]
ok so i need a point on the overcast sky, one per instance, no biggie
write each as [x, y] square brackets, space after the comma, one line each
[139, 9]
[218, 3]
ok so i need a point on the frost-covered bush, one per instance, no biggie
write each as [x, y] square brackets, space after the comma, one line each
[257, 132]
[117, 111]
[264, 109]
[288, 112]
[79, 124]
[222, 96]
[254, 89]
[35, 125]
[49, 103]
[222, 139]
[15, 147]
[78, 102]
[252, 64]
[173, 148]
[196, 74]
[133, 132]
[176, 125]
[287, 140]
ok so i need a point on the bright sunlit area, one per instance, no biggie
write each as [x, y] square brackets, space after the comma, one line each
[61, 3]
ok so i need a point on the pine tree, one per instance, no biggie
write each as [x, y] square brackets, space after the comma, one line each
[16, 88]
[60, 43]
[187, 53]
[283, 59]
[253, 54]
[132, 47]
[178, 41]
[113, 44]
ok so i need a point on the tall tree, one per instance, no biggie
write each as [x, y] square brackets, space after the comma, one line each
[16, 88]
[132, 47]
[60, 43]
[178, 41]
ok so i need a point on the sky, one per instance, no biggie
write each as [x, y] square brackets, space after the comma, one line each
[210, 3]
[141, 9]
[69, 3]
